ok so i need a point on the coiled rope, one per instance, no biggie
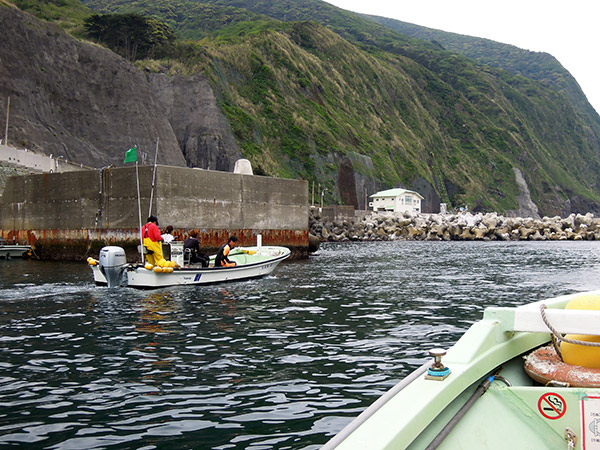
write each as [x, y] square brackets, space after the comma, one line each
[558, 336]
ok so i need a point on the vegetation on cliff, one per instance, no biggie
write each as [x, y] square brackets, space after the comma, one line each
[306, 86]
[131, 35]
[68, 14]
[538, 66]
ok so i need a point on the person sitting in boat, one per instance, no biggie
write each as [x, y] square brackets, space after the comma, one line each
[222, 259]
[193, 245]
[153, 241]
[167, 236]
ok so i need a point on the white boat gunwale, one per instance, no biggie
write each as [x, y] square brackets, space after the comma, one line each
[135, 266]
[528, 317]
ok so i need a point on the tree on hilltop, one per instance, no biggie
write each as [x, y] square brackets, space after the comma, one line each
[132, 36]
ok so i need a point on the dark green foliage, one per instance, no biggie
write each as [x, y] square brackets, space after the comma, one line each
[131, 35]
[537, 66]
[68, 14]
[193, 20]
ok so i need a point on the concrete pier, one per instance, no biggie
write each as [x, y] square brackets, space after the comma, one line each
[70, 216]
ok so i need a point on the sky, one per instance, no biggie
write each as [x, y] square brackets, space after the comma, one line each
[568, 30]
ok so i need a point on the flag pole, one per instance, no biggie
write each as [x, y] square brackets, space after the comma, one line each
[137, 180]
[131, 156]
[153, 178]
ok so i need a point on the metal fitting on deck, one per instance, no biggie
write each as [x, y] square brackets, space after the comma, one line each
[437, 371]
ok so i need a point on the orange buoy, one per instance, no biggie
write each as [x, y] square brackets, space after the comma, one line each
[545, 366]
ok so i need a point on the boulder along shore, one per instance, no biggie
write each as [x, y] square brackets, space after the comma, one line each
[448, 227]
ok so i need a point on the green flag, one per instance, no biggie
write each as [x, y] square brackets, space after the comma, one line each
[131, 155]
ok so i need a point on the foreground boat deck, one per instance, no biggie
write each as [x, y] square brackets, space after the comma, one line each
[515, 412]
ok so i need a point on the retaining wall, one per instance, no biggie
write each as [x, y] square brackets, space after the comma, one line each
[71, 215]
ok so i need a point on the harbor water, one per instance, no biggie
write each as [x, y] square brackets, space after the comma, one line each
[283, 362]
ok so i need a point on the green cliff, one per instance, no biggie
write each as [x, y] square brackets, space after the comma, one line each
[314, 92]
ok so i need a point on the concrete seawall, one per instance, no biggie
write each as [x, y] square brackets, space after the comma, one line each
[72, 215]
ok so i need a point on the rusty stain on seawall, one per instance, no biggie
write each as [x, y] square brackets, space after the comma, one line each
[77, 245]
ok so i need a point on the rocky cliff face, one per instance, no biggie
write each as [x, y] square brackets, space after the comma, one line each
[203, 133]
[526, 207]
[89, 105]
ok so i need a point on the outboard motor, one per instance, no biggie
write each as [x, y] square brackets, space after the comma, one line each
[112, 263]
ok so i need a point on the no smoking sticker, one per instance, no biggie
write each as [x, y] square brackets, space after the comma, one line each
[552, 406]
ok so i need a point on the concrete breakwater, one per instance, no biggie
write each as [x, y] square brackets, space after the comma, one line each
[72, 215]
[467, 226]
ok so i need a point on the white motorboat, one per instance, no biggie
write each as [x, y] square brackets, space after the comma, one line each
[13, 250]
[113, 270]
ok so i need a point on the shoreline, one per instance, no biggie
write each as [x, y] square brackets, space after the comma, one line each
[453, 227]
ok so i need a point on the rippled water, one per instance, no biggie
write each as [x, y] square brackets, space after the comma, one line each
[282, 362]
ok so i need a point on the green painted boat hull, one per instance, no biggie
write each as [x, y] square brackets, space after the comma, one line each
[519, 416]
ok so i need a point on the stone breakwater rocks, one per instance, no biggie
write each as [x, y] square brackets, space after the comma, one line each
[459, 227]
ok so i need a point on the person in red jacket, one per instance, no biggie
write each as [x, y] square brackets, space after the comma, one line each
[153, 241]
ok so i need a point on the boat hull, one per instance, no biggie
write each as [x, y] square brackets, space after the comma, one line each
[251, 263]
[8, 251]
